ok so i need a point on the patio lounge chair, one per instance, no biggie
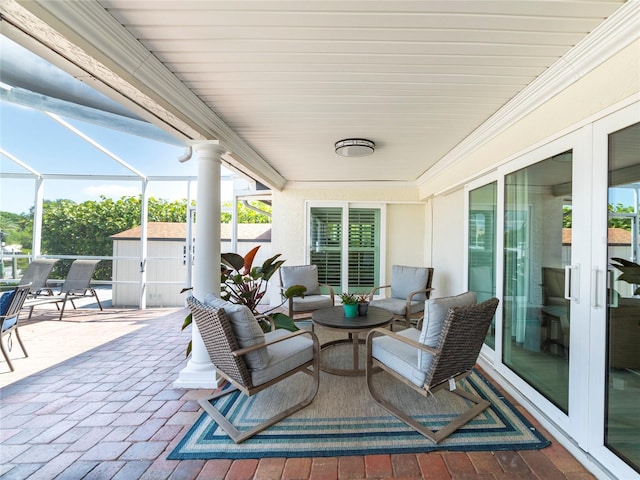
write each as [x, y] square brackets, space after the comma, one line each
[10, 306]
[436, 358]
[76, 285]
[37, 274]
[251, 360]
[307, 276]
[409, 288]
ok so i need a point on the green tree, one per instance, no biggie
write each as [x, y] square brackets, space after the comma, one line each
[18, 229]
[70, 228]
[245, 214]
[624, 223]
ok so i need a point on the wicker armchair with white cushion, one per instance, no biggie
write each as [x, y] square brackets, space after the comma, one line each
[251, 360]
[436, 357]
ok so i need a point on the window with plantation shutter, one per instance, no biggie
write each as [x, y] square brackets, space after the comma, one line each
[355, 259]
[364, 245]
[326, 244]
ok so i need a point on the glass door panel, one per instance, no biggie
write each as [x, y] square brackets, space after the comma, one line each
[537, 247]
[482, 247]
[622, 416]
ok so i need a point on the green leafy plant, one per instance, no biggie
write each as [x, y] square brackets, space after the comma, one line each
[348, 298]
[245, 284]
[630, 272]
[363, 297]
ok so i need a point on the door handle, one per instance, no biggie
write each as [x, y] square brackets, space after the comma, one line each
[571, 292]
[612, 297]
[594, 286]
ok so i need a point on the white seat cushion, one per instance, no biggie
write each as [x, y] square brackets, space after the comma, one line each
[311, 302]
[283, 356]
[397, 306]
[246, 329]
[405, 280]
[305, 275]
[400, 357]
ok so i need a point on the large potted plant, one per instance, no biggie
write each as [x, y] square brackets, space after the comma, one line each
[245, 284]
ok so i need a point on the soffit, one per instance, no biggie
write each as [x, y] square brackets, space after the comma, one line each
[291, 78]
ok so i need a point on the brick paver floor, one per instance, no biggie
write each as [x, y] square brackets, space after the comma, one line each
[95, 400]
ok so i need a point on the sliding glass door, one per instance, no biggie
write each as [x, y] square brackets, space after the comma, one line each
[567, 252]
[537, 248]
[622, 384]
[482, 247]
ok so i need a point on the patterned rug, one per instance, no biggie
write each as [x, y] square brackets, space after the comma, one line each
[344, 420]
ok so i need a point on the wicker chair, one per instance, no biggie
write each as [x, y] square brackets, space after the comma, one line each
[251, 369]
[409, 288]
[428, 369]
[10, 306]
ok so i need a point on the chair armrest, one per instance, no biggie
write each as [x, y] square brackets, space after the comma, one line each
[243, 351]
[373, 290]
[408, 341]
[412, 294]
[331, 291]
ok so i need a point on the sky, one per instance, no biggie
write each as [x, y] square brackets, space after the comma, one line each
[49, 148]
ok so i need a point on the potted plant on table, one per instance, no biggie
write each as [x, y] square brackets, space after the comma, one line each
[363, 303]
[349, 304]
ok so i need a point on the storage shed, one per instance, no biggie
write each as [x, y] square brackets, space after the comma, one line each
[166, 267]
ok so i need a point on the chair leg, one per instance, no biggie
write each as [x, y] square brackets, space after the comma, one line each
[24, 350]
[64, 303]
[6, 355]
[240, 436]
[95, 294]
[435, 436]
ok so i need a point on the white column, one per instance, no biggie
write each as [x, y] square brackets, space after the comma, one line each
[199, 372]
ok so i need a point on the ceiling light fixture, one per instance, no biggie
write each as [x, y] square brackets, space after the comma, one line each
[355, 147]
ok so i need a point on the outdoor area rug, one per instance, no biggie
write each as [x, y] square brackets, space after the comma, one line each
[344, 420]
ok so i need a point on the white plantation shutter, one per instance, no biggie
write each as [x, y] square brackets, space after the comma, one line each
[326, 244]
[364, 248]
[362, 260]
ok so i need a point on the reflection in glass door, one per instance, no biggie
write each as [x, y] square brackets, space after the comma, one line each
[482, 247]
[537, 247]
[622, 416]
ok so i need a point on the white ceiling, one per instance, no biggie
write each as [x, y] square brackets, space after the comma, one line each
[291, 78]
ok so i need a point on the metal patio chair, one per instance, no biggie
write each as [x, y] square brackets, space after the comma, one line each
[251, 360]
[37, 274]
[77, 284]
[10, 306]
[409, 288]
[307, 276]
[436, 358]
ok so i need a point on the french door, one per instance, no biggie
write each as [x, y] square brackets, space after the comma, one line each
[345, 243]
[614, 426]
[567, 269]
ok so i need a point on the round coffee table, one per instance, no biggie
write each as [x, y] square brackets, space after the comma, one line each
[333, 319]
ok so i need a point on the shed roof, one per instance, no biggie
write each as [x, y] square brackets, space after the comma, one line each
[616, 236]
[174, 231]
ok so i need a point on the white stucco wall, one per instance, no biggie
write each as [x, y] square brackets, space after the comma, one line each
[448, 244]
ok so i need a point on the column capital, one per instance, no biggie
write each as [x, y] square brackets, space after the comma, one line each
[208, 148]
